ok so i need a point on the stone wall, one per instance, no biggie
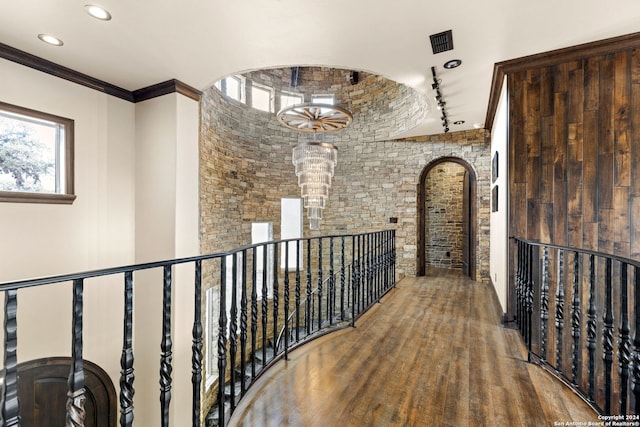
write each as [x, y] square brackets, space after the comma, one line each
[377, 181]
[246, 168]
[444, 215]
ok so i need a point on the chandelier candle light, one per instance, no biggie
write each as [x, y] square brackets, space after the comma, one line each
[315, 160]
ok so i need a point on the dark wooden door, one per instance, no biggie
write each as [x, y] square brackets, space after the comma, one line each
[466, 214]
[42, 390]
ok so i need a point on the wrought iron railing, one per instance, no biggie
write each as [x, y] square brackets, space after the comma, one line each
[569, 305]
[249, 294]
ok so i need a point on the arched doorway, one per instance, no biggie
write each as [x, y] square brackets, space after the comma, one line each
[42, 392]
[468, 224]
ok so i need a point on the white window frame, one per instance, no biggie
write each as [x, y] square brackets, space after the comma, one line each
[286, 96]
[320, 98]
[240, 96]
[64, 156]
[255, 87]
[260, 236]
[291, 227]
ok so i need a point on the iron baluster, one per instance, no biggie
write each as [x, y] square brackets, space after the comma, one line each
[353, 281]
[607, 338]
[166, 347]
[544, 303]
[369, 269]
[576, 319]
[126, 360]
[592, 328]
[233, 331]
[518, 280]
[286, 300]
[560, 310]
[393, 257]
[297, 290]
[222, 340]
[361, 273]
[76, 395]
[529, 302]
[196, 348]
[636, 340]
[520, 290]
[331, 297]
[320, 283]
[624, 345]
[10, 403]
[276, 298]
[523, 290]
[374, 256]
[243, 322]
[366, 285]
[308, 319]
[380, 264]
[254, 309]
[265, 290]
[342, 278]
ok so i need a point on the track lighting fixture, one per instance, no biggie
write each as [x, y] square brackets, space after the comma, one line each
[440, 100]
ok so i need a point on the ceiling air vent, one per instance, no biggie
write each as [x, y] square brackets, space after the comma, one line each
[441, 42]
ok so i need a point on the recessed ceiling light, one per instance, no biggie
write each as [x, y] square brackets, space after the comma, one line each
[458, 122]
[49, 39]
[97, 12]
[452, 64]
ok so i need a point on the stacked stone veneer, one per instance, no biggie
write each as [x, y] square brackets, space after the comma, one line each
[443, 208]
[246, 165]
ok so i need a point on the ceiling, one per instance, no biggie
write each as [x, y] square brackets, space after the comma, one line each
[200, 41]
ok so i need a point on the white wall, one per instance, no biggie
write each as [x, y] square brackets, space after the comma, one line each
[499, 220]
[96, 231]
[167, 224]
[136, 181]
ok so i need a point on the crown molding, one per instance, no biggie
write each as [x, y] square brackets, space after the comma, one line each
[45, 66]
[164, 88]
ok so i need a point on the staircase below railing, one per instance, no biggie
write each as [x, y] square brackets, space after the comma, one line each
[569, 304]
[248, 293]
[342, 277]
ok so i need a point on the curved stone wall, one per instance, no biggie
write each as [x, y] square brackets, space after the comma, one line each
[246, 165]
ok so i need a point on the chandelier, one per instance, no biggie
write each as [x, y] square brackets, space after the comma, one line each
[315, 160]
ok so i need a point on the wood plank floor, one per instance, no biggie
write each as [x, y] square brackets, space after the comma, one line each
[432, 353]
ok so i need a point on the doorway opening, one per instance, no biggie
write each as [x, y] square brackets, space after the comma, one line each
[447, 217]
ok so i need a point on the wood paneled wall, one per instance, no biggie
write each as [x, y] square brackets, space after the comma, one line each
[574, 143]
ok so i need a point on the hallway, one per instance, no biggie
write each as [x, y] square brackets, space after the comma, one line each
[433, 353]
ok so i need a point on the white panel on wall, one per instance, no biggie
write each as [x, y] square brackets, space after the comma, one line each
[499, 226]
[290, 228]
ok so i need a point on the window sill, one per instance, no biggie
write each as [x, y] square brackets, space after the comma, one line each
[48, 198]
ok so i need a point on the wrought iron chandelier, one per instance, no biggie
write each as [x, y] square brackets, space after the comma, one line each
[315, 160]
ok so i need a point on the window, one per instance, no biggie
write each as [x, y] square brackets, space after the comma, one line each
[233, 87]
[287, 99]
[262, 98]
[36, 156]
[263, 232]
[211, 332]
[322, 99]
[291, 228]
